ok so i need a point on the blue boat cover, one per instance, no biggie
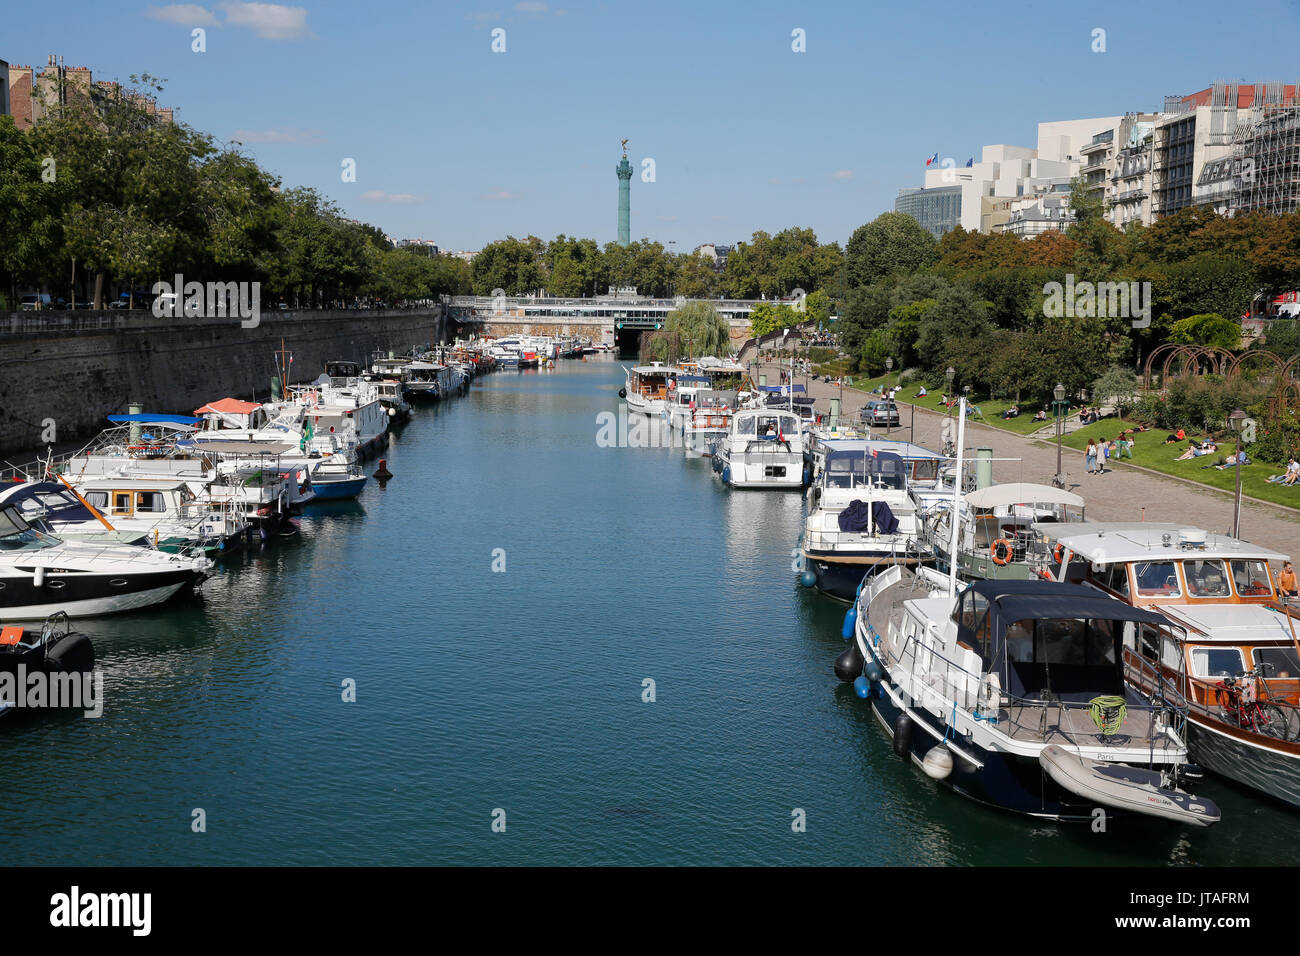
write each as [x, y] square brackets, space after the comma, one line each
[168, 419]
[783, 389]
[884, 518]
[855, 518]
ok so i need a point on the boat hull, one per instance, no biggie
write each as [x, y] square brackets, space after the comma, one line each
[1270, 771]
[90, 595]
[337, 490]
[840, 575]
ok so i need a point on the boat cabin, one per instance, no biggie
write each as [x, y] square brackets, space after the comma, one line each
[232, 413]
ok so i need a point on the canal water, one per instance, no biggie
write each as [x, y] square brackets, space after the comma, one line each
[519, 695]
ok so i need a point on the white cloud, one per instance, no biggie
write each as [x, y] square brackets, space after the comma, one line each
[500, 195]
[396, 199]
[186, 14]
[270, 21]
[842, 174]
[297, 137]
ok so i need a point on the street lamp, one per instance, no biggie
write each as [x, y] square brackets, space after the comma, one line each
[1236, 419]
[1058, 406]
[889, 370]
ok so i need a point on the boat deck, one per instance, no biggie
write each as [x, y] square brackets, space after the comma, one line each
[1067, 723]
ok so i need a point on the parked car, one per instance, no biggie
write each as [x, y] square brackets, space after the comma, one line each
[880, 412]
[35, 302]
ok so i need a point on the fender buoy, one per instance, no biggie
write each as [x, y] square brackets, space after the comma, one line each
[1001, 552]
[903, 736]
[1058, 553]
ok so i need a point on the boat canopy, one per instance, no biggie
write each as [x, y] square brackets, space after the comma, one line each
[1021, 493]
[157, 419]
[228, 406]
[45, 499]
[782, 389]
[1049, 635]
[221, 446]
[848, 469]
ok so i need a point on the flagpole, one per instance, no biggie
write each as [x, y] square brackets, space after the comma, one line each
[956, 503]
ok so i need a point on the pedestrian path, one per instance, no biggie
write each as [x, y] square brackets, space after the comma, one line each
[1122, 493]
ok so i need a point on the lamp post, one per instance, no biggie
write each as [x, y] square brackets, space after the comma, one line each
[1236, 419]
[889, 371]
[1058, 406]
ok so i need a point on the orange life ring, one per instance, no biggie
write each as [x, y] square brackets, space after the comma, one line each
[1000, 557]
[1058, 553]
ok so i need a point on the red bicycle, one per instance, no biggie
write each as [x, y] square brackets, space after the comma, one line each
[1238, 699]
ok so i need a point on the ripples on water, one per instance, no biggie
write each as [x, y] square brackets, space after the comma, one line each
[519, 690]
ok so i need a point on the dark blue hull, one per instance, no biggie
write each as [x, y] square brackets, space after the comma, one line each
[1005, 781]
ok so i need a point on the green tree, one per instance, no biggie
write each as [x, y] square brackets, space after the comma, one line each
[892, 243]
[1207, 329]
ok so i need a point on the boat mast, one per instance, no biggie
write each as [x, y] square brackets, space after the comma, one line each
[955, 523]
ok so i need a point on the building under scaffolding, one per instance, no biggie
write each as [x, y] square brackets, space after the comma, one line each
[1266, 161]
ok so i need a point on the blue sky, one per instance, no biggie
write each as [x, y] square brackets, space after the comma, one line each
[459, 144]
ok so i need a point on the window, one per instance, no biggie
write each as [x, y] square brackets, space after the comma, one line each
[1115, 577]
[1060, 642]
[1206, 579]
[1156, 579]
[1278, 661]
[1150, 643]
[150, 501]
[1217, 662]
[1251, 578]
[97, 499]
[121, 502]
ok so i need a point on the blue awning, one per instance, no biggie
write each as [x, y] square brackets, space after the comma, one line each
[160, 419]
[782, 389]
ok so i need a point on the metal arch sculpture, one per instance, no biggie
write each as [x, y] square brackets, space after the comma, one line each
[1189, 357]
[1238, 364]
[1291, 369]
[1151, 361]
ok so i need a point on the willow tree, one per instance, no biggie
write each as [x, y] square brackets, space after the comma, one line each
[697, 329]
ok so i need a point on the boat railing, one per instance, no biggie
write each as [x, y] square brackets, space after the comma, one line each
[1048, 717]
[1232, 701]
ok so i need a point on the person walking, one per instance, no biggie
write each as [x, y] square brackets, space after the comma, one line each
[1090, 457]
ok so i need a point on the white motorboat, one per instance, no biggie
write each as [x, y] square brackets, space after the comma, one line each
[763, 449]
[862, 512]
[648, 386]
[40, 574]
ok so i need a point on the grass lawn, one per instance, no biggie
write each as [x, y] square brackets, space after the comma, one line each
[1150, 451]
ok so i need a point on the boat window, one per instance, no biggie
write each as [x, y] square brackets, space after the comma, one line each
[97, 499]
[121, 502]
[17, 535]
[1150, 643]
[1206, 578]
[1157, 579]
[1060, 642]
[925, 469]
[1171, 654]
[1114, 577]
[1020, 642]
[974, 608]
[1217, 662]
[150, 501]
[1251, 578]
[747, 425]
[1279, 661]
[1101, 642]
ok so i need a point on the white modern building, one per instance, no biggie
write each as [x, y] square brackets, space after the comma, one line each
[981, 196]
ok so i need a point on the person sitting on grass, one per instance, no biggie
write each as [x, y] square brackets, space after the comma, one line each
[1176, 437]
[1040, 415]
[922, 393]
[1011, 412]
[1292, 472]
[1196, 451]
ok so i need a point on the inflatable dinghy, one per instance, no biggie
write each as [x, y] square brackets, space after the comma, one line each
[1123, 787]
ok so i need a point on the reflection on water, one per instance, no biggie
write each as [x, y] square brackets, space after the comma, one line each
[523, 689]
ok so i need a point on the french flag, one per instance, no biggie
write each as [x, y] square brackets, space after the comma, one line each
[932, 160]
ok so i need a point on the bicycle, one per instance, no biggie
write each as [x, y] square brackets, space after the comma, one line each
[1238, 697]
